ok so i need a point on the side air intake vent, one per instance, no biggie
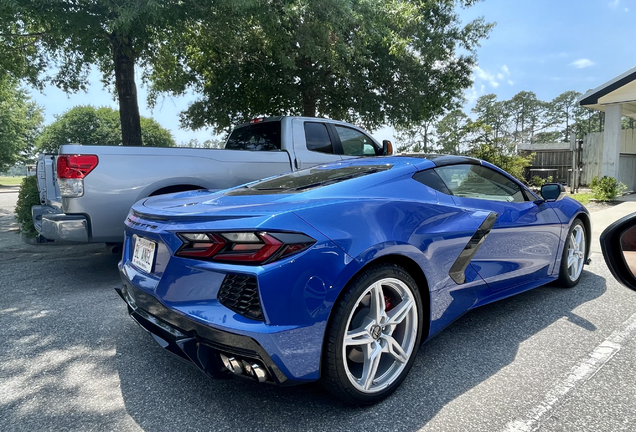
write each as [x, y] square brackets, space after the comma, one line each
[239, 293]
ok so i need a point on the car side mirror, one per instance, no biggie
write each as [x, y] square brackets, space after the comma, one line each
[553, 191]
[618, 243]
[387, 148]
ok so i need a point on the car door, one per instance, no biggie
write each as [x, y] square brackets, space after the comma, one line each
[314, 143]
[524, 240]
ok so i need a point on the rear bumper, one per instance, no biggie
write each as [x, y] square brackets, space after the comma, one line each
[55, 225]
[202, 345]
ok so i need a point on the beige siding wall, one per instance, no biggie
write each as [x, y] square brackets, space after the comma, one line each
[593, 152]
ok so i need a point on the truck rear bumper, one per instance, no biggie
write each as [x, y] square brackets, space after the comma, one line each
[55, 225]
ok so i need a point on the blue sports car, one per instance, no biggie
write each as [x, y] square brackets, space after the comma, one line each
[337, 273]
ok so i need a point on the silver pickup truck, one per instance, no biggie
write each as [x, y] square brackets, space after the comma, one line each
[86, 191]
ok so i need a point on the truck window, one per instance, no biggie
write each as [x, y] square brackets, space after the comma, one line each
[317, 137]
[355, 143]
[255, 137]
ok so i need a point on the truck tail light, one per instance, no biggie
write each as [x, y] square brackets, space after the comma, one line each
[71, 170]
[242, 247]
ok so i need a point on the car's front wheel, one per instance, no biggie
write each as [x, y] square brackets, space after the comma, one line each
[373, 335]
[574, 253]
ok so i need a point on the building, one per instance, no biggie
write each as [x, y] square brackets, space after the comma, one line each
[612, 152]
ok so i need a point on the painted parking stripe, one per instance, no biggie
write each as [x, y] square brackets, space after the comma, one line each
[579, 374]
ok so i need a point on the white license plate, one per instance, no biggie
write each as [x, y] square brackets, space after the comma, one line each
[144, 254]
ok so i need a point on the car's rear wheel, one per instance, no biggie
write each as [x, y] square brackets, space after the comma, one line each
[574, 253]
[373, 335]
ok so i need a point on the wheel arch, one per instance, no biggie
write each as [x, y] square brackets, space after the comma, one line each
[176, 188]
[416, 272]
[413, 269]
[587, 224]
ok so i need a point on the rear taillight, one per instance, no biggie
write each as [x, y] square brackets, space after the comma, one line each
[242, 247]
[71, 170]
[75, 166]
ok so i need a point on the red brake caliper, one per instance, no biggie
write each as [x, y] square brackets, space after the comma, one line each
[387, 304]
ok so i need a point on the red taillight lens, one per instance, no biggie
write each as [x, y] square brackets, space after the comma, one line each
[75, 166]
[242, 247]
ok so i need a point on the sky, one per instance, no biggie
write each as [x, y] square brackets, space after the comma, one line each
[544, 46]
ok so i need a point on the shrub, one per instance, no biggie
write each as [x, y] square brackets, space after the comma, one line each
[606, 188]
[538, 181]
[28, 197]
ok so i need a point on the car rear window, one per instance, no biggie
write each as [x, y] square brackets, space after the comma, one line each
[311, 178]
[255, 137]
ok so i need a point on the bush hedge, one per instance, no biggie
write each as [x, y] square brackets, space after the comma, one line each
[606, 188]
[28, 197]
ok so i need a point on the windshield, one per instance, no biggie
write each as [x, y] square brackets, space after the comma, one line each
[255, 137]
[308, 179]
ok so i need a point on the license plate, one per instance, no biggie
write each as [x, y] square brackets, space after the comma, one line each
[144, 254]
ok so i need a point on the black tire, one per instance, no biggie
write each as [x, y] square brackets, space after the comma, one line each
[564, 279]
[334, 373]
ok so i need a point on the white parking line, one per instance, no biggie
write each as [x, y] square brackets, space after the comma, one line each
[579, 374]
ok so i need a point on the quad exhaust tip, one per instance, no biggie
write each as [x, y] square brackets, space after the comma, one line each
[249, 369]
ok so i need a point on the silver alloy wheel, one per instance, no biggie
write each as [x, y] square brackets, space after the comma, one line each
[576, 252]
[381, 335]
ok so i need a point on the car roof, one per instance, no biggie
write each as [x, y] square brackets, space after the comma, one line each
[419, 161]
[442, 159]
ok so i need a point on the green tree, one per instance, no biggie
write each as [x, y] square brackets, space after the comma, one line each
[369, 62]
[88, 125]
[452, 131]
[585, 121]
[548, 137]
[527, 113]
[57, 42]
[20, 121]
[417, 139]
[493, 113]
[498, 151]
[562, 110]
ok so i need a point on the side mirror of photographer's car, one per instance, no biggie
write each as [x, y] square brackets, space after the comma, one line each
[618, 243]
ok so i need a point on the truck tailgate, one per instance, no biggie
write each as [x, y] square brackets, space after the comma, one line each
[47, 181]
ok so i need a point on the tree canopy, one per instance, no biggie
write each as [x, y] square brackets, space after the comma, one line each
[20, 121]
[96, 126]
[58, 41]
[370, 62]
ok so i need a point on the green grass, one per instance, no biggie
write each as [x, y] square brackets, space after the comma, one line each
[583, 198]
[10, 181]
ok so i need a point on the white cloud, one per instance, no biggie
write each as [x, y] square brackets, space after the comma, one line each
[582, 63]
[506, 70]
[511, 82]
[486, 76]
[471, 95]
[614, 4]
[626, 9]
[500, 76]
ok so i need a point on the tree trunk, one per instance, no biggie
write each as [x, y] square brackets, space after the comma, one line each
[127, 94]
[309, 103]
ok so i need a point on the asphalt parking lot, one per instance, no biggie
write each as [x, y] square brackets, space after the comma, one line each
[550, 359]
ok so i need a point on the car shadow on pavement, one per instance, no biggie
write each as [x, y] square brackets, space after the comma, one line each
[161, 392]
